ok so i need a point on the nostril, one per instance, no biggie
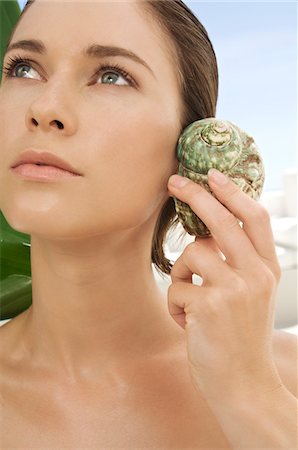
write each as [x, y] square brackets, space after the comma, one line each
[59, 124]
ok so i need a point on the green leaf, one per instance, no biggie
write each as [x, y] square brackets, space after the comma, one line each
[15, 271]
[16, 295]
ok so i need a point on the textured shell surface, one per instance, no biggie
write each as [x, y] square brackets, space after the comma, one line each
[220, 144]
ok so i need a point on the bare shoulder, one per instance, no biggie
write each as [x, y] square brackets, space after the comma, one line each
[285, 348]
[144, 412]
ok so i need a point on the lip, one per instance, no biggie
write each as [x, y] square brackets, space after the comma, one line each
[34, 157]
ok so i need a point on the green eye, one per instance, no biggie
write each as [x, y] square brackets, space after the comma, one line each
[111, 78]
[14, 64]
[112, 71]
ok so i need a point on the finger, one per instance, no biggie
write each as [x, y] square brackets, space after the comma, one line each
[210, 243]
[187, 303]
[255, 218]
[179, 297]
[198, 259]
[223, 225]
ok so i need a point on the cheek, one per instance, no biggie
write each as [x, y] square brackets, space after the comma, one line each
[9, 124]
[138, 156]
[10, 120]
[134, 161]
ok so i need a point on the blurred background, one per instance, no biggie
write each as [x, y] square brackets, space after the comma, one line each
[256, 47]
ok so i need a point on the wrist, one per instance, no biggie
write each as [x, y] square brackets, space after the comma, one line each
[266, 421]
[244, 396]
[251, 386]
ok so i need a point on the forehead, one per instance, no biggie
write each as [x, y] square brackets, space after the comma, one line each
[73, 25]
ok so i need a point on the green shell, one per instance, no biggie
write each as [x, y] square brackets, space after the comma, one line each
[220, 144]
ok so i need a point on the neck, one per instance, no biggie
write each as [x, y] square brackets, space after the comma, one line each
[94, 306]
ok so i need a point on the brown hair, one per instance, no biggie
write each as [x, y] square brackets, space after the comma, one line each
[198, 79]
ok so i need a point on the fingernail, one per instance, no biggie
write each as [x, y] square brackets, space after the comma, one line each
[178, 181]
[218, 177]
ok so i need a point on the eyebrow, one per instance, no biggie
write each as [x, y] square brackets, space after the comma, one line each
[92, 51]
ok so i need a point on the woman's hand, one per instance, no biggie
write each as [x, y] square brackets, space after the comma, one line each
[229, 319]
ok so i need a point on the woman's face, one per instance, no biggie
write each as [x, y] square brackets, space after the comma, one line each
[119, 134]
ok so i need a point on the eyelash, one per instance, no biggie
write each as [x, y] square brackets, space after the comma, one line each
[14, 61]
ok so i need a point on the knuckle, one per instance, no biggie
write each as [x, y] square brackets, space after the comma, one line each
[237, 289]
[194, 246]
[239, 285]
[174, 272]
[228, 221]
[170, 290]
[193, 197]
[232, 191]
[213, 306]
[260, 214]
[267, 281]
[212, 310]
[190, 249]
[174, 289]
[277, 272]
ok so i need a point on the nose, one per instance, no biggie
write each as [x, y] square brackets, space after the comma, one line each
[56, 123]
[52, 110]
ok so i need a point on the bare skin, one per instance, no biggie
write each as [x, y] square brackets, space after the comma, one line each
[97, 361]
[148, 403]
[94, 292]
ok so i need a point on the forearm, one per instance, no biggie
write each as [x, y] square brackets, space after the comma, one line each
[251, 423]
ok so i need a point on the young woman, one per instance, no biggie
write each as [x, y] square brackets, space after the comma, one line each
[102, 359]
